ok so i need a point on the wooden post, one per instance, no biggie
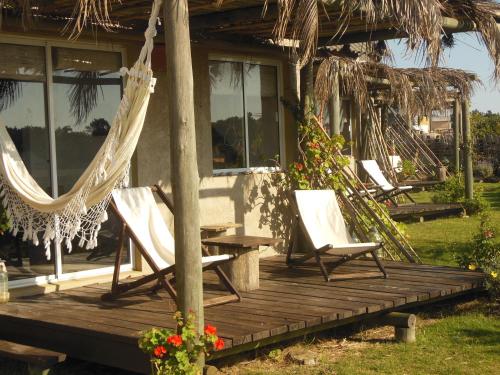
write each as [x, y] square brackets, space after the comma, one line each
[456, 135]
[409, 123]
[404, 325]
[307, 89]
[183, 161]
[334, 105]
[384, 117]
[294, 81]
[467, 147]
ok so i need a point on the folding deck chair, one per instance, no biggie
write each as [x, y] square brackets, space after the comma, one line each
[143, 223]
[385, 189]
[319, 217]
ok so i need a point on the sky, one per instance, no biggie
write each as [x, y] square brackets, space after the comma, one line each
[468, 54]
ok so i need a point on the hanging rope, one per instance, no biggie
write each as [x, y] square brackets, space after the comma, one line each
[79, 213]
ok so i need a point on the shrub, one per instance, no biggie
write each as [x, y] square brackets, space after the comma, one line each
[176, 353]
[484, 255]
[453, 191]
[409, 168]
[483, 171]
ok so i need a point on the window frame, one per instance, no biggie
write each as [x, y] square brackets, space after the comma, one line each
[245, 60]
[48, 44]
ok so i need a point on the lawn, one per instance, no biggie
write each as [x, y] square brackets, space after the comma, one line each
[437, 240]
[453, 339]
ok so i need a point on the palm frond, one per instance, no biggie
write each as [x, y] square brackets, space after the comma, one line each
[84, 95]
[483, 14]
[10, 91]
[414, 91]
[89, 12]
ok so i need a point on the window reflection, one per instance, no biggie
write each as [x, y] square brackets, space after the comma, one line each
[87, 90]
[227, 111]
[23, 110]
[244, 113]
[261, 98]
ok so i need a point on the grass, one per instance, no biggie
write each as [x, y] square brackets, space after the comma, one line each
[436, 241]
[453, 339]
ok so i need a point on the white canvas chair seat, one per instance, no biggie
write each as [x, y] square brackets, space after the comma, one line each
[322, 222]
[143, 222]
[141, 212]
[387, 190]
[396, 163]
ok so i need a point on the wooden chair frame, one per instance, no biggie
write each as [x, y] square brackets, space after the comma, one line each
[298, 226]
[390, 195]
[160, 275]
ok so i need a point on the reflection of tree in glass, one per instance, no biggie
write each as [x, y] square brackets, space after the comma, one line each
[217, 69]
[84, 95]
[98, 127]
[10, 91]
[227, 137]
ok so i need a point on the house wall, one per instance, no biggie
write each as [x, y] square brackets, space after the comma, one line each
[245, 198]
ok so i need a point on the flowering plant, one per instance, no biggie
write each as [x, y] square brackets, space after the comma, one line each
[484, 255]
[176, 352]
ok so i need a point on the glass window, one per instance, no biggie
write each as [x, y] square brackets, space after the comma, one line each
[23, 110]
[85, 91]
[227, 109]
[244, 114]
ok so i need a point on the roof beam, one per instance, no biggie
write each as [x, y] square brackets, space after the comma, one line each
[450, 25]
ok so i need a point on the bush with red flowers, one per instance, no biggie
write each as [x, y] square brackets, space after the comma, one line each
[176, 352]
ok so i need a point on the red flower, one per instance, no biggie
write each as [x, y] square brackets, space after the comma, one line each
[175, 340]
[299, 166]
[160, 351]
[210, 330]
[488, 234]
[219, 344]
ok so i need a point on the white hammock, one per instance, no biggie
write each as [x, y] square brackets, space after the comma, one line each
[80, 212]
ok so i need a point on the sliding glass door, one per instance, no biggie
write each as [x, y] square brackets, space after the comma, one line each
[58, 105]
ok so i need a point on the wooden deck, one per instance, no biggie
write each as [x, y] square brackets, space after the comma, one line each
[425, 210]
[289, 303]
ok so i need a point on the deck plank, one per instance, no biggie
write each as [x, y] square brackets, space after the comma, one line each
[289, 302]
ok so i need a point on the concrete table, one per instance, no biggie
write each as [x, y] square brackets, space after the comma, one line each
[243, 271]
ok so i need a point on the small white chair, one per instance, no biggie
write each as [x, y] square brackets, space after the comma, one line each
[320, 219]
[386, 189]
[143, 223]
[396, 163]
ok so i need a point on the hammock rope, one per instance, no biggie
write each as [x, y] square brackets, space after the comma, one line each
[79, 213]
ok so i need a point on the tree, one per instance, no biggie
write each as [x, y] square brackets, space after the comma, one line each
[484, 124]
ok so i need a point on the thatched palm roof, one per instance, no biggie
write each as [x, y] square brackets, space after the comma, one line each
[307, 23]
[412, 90]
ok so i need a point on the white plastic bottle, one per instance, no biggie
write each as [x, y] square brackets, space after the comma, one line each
[4, 283]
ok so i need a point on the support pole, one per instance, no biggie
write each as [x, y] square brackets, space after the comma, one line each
[409, 123]
[183, 161]
[334, 105]
[384, 117]
[456, 135]
[307, 89]
[467, 147]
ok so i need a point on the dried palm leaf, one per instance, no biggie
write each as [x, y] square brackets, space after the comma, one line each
[483, 14]
[89, 12]
[412, 90]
